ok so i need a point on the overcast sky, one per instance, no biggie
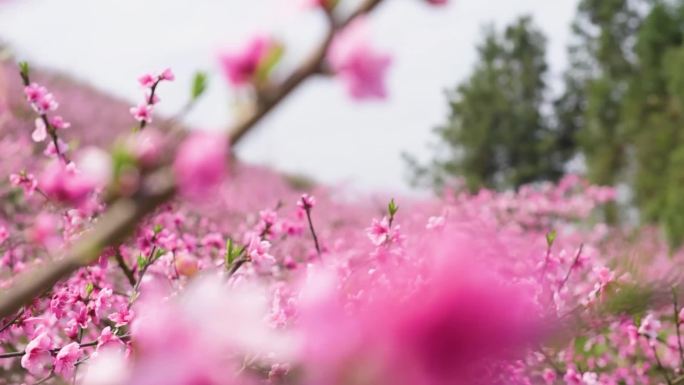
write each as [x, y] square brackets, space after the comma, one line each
[318, 132]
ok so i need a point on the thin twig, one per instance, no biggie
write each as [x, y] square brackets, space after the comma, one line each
[313, 232]
[572, 267]
[124, 268]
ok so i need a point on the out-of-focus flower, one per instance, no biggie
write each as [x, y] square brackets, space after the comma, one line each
[4, 234]
[186, 264]
[447, 328]
[357, 63]
[650, 326]
[435, 223]
[26, 181]
[142, 112]
[167, 75]
[306, 202]
[39, 134]
[65, 183]
[240, 67]
[200, 163]
[147, 80]
[58, 123]
[95, 165]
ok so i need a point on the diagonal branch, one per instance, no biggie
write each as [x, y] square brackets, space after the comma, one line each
[123, 215]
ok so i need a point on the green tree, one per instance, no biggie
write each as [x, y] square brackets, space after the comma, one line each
[496, 135]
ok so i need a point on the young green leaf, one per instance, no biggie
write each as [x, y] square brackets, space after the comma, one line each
[550, 237]
[199, 85]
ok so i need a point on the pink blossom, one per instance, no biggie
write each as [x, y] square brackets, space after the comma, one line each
[40, 132]
[435, 223]
[146, 146]
[572, 377]
[142, 112]
[65, 183]
[147, 80]
[95, 166]
[34, 92]
[167, 75]
[66, 359]
[108, 339]
[241, 66]
[379, 232]
[438, 2]
[37, 354]
[257, 250]
[45, 104]
[549, 376]
[650, 326]
[200, 163]
[122, 317]
[306, 202]
[357, 63]
[26, 181]
[58, 123]
[50, 150]
[44, 229]
[4, 234]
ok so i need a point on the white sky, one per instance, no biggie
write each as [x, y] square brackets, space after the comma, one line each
[318, 132]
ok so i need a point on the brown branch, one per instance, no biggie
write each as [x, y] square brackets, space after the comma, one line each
[89, 344]
[123, 215]
[124, 267]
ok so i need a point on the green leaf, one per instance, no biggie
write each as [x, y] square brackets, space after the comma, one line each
[89, 288]
[267, 65]
[159, 253]
[24, 70]
[141, 262]
[158, 228]
[199, 85]
[392, 208]
[550, 237]
[229, 252]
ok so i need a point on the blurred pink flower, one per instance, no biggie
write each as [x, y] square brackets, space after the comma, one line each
[65, 183]
[357, 63]
[39, 134]
[142, 112]
[147, 80]
[167, 75]
[241, 66]
[26, 181]
[200, 163]
[186, 264]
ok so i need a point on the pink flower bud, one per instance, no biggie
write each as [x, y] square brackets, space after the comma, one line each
[356, 62]
[167, 74]
[200, 163]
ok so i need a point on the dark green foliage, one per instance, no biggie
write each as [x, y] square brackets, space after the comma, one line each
[497, 135]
